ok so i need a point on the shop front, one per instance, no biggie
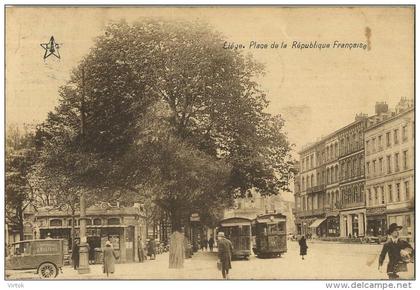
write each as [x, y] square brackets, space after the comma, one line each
[353, 223]
[319, 227]
[404, 219]
[120, 226]
[333, 225]
[376, 222]
[402, 213]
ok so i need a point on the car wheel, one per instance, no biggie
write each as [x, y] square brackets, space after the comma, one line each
[47, 271]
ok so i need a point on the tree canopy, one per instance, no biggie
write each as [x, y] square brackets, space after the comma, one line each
[167, 111]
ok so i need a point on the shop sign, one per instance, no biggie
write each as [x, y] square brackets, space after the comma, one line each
[375, 211]
[195, 217]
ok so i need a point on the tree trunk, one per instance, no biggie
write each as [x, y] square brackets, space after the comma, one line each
[147, 223]
[175, 216]
[73, 219]
[20, 225]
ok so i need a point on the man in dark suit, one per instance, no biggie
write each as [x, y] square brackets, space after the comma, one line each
[393, 247]
[225, 250]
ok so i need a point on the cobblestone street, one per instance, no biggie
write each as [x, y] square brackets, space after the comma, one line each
[325, 260]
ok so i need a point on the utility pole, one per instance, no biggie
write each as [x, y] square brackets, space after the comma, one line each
[83, 249]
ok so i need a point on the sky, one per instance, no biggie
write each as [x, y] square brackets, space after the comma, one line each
[316, 91]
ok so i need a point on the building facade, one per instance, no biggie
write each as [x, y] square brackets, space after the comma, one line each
[389, 150]
[332, 194]
[352, 178]
[311, 190]
[363, 179]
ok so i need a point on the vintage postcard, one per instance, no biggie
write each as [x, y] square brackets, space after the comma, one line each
[209, 143]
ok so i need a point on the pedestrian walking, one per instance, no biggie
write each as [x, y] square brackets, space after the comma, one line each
[204, 243]
[399, 253]
[211, 243]
[109, 258]
[303, 247]
[177, 250]
[140, 249]
[188, 248]
[75, 254]
[151, 249]
[225, 250]
[91, 250]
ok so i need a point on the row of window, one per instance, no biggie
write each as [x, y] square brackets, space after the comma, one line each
[351, 143]
[376, 166]
[332, 151]
[400, 191]
[352, 194]
[333, 198]
[89, 222]
[376, 195]
[308, 162]
[311, 202]
[352, 167]
[375, 144]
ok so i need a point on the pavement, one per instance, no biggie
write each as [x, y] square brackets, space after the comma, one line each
[324, 261]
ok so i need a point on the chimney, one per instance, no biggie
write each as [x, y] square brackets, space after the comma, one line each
[360, 117]
[381, 107]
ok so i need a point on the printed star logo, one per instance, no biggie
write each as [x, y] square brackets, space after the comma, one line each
[51, 48]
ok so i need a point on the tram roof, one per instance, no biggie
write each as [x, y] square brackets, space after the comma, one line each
[270, 218]
[235, 221]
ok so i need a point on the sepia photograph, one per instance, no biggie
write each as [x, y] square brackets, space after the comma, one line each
[209, 143]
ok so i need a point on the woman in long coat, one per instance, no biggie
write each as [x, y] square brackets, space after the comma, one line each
[176, 250]
[75, 255]
[151, 249]
[303, 247]
[109, 259]
[140, 250]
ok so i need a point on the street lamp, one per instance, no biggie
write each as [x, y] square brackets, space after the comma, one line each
[83, 249]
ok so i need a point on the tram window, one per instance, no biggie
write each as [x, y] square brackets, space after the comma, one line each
[282, 227]
[245, 231]
[261, 229]
[236, 231]
[272, 229]
[56, 223]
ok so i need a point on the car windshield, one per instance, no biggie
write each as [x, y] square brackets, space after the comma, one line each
[21, 249]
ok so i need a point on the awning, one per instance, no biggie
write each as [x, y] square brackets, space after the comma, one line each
[317, 222]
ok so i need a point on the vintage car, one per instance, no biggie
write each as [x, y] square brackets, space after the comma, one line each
[375, 239]
[46, 256]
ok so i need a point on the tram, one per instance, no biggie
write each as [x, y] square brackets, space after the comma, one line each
[270, 235]
[238, 231]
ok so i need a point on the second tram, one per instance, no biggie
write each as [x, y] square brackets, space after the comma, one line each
[270, 235]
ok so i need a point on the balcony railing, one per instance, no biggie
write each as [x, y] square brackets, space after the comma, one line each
[353, 204]
[315, 189]
[311, 212]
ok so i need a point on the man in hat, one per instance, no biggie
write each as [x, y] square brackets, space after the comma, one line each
[225, 250]
[393, 247]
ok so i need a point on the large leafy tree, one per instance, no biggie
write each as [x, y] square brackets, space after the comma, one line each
[20, 156]
[167, 109]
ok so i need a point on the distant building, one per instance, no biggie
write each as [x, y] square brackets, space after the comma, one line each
[257, 204]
